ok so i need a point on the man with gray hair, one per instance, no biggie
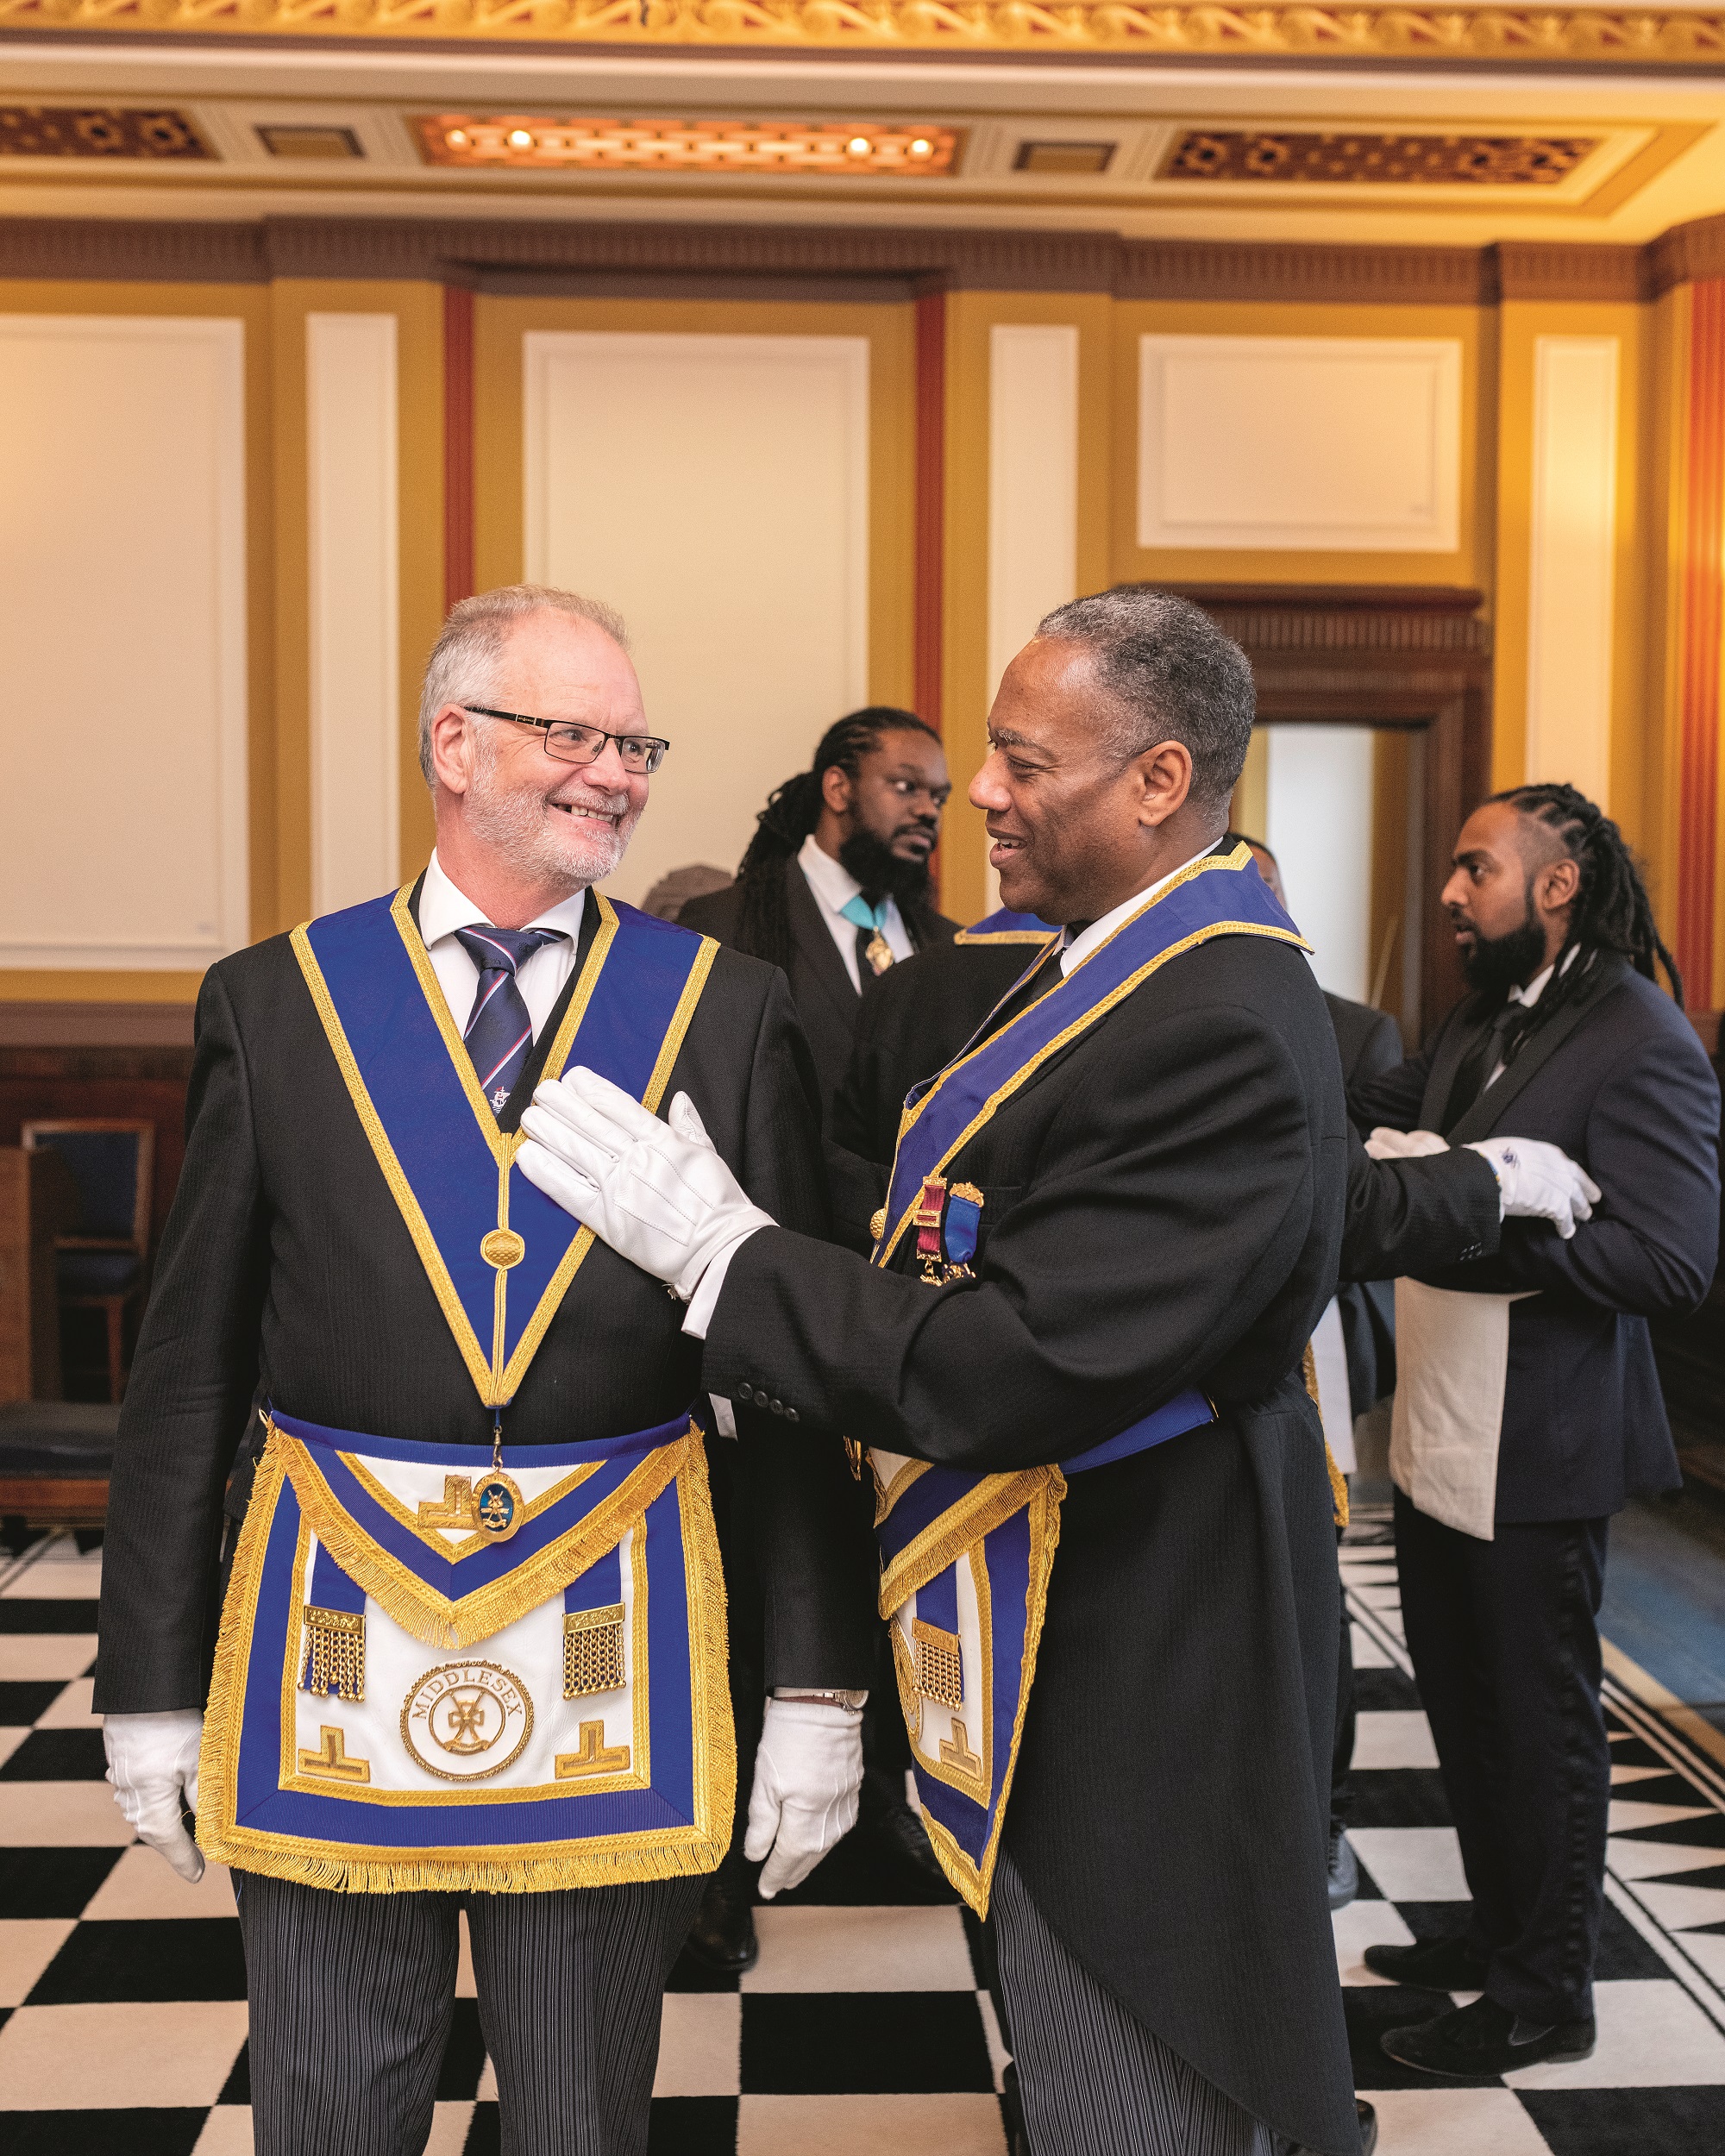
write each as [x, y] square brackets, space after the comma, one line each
[471, 1653]
[1074, 1357]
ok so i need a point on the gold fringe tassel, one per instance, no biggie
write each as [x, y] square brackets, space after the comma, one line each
[433, 1618]
[335, 1652]
[945, 1539]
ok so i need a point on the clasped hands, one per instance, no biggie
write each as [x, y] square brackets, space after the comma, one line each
[1536, 1181]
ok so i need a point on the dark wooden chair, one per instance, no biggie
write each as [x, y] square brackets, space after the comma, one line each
[103, 1262]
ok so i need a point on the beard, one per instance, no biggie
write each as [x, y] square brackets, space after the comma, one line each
[1496, 964]
[540, 841]
[883, 873]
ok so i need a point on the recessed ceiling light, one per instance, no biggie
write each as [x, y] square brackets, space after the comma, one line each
[521, 141]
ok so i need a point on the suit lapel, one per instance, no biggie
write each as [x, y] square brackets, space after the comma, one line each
[815, 947]
[1461, 1030]
[1488, 1111]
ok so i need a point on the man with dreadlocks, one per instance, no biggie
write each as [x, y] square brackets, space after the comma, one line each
[835, 886]
[1528, 1407]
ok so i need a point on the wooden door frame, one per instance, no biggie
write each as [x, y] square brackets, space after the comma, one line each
[1413, 657]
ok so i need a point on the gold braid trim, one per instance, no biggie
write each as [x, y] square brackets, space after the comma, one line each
[419, 1609]
[678, 1852]
[974, 1883]
[1338, 1487]
[945, 1540]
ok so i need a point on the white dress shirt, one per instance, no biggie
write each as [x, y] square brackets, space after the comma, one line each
[1077, 948]
[834, 886]
[1530, 996]
[543, 974]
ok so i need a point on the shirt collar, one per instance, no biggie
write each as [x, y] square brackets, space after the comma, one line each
[1074, 950]
[1536, 987]
[831, 882]
[444, 908]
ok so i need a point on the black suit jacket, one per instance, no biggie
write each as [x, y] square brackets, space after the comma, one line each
[1162, 1207]
[820, 984]
[285, 1265]
[1619, 1080]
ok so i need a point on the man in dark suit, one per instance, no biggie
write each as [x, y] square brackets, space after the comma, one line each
[835, 886]
[1153, 1205]
[305, 1255]
[1528, 1408]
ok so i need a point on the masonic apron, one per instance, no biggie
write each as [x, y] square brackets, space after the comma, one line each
[488, 1667]
[966, 1558]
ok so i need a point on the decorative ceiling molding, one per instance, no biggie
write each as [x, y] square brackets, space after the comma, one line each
[1440, 35]
[99, 131]
[1288, 157]
[476, 251]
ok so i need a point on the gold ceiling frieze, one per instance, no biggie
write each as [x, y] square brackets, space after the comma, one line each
[1612, 36]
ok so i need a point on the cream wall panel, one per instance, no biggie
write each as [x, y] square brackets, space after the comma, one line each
[1318, 804]
[122, 617]
[1574, 541]
[1033, 482]
[1308, 443]
[354, 586]
[715, 488]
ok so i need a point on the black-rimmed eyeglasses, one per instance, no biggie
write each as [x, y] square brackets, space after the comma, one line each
[570, 742]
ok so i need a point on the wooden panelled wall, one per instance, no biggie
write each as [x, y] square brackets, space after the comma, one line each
[1576, 481]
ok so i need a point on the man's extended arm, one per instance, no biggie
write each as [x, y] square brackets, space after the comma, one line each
[1651, 1246]
[1413, 1216]
[1143, 1205]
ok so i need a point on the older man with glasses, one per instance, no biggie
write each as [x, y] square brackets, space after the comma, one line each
[471, 1656]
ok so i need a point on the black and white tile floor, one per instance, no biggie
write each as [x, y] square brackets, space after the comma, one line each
[864, 2029]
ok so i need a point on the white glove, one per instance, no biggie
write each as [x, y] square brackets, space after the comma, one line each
[808, 1777]
[1387, 1144]
[151, 1759]
[657, 1192]
[1539, 1181]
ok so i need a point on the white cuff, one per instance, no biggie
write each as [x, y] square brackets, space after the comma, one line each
[705, 1300]
[723, 1415]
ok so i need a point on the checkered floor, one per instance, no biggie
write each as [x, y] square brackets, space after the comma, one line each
[123, 2016]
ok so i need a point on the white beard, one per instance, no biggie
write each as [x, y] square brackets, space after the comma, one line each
[540, 841]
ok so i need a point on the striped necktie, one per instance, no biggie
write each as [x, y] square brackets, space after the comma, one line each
[500, 1034]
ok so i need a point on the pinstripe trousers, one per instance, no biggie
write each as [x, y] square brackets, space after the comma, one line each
[353, 1996]
[1093, 2080]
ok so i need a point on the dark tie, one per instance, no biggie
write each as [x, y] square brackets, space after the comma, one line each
[1474, 1071]
[499, 1033]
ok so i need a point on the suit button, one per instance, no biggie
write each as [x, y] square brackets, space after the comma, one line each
[791, 1415]
[777, 1407]
[745, 1393]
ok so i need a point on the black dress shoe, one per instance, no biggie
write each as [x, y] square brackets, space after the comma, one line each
[1431, 1964]
[1486, 2039]
[1344, 1870]
[724, 1938]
